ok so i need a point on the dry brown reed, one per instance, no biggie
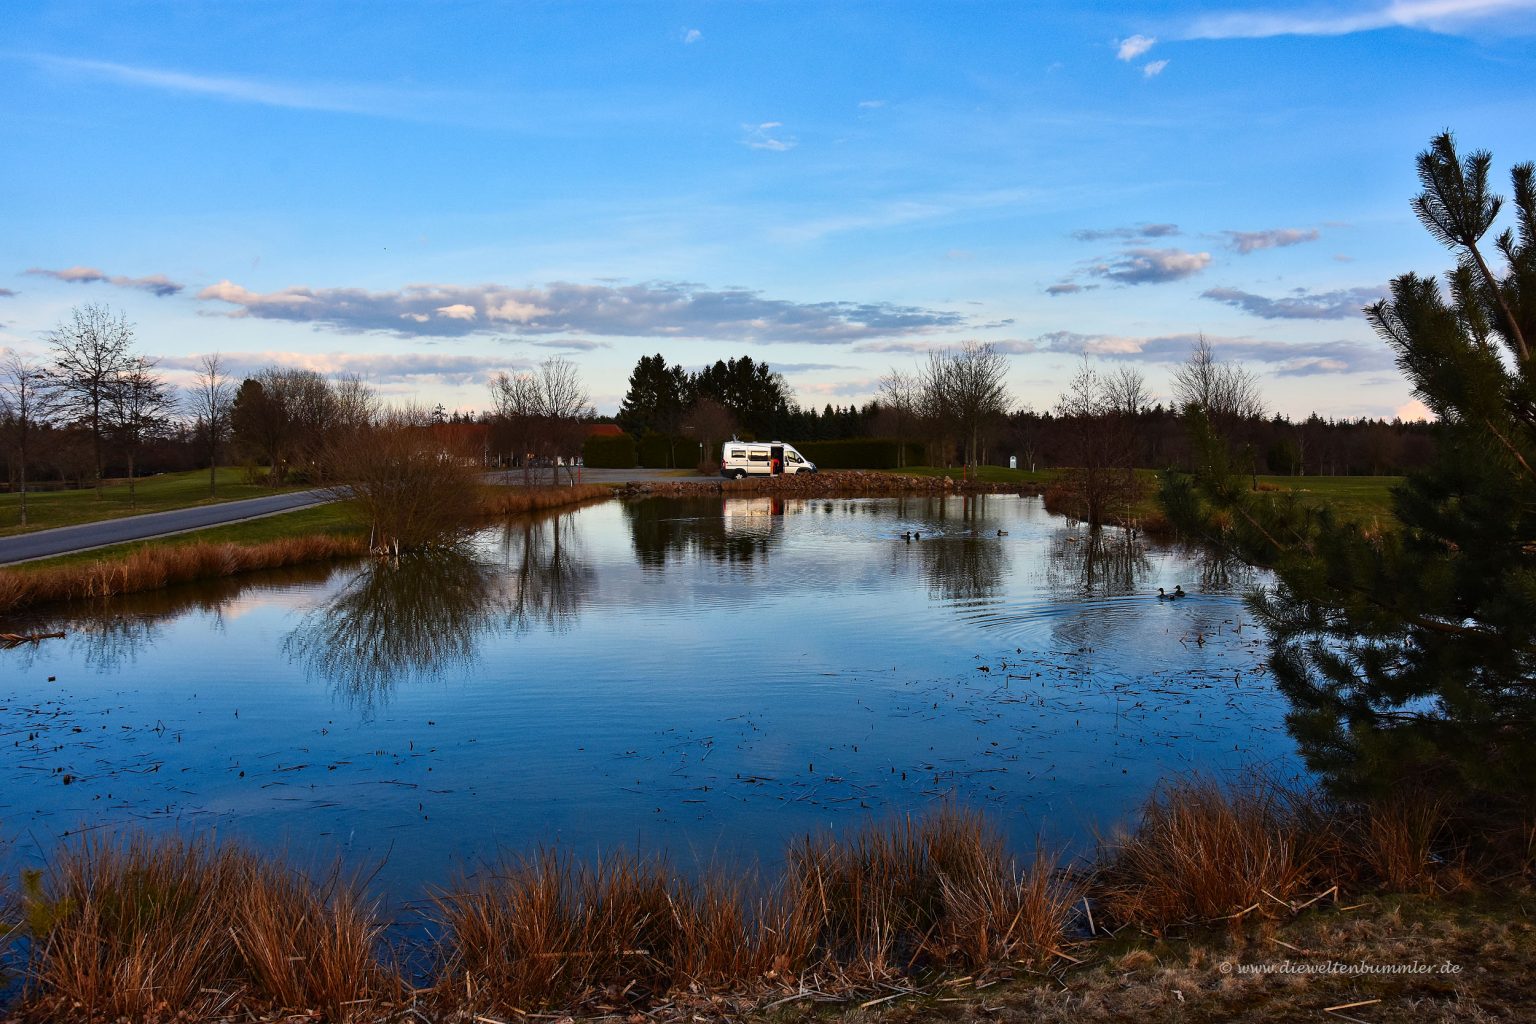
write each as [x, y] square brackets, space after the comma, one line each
[159, 565]
[147, 929]
[546, 931]
[511, 501]
[1395, 839]
[919, 892]
[1203, 852]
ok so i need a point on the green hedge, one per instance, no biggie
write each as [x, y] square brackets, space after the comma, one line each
[658, 451]
[609, 452]
[859, 453]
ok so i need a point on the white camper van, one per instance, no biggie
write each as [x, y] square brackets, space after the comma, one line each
[761, 458]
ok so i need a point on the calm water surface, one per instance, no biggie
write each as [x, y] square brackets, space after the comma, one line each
[710, 677]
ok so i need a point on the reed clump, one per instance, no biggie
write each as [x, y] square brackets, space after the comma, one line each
[1395, 839]
[151, 929]
[1203, 852]
[511, 501]
[922, 892]
[154, 566]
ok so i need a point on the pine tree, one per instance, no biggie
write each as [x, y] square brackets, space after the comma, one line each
[1409, 652]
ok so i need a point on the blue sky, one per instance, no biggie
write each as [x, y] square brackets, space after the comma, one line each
[428, 193]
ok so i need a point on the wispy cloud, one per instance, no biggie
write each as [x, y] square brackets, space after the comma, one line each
[421, 367]
[1153, 68]
[1283, 359]
[871, 104]
[654, 309]
[1431, 15]
[6, 293]
[691, 36]
[1010, 346]
[1246, 242]
[1127, 233]
[155, 284]
[1152, 266]
[766, 136]
[1134, 46]
[1066, 288]
[350, 99]
[1300, 304]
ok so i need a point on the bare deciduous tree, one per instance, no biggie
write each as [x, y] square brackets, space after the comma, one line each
[414, 492]
[563, 406]
[1226, 392]
[92, 349]
[137, 407]
[26, 401]
[541, 414]
[1102, 409]
[209, 401]
[961, 391]
[899, 393]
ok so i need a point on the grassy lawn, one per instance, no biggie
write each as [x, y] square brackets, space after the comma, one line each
[987, 474]
[1360, 498]
[335, 518]
[47, 509]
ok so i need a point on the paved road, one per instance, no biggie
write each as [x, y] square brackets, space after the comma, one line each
[65, 539]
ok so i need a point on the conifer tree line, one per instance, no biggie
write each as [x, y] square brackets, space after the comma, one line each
[751, 400]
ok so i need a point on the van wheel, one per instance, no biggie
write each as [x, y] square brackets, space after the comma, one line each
[740, 474]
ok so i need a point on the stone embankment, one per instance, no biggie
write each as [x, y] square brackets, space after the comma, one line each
[842, 483]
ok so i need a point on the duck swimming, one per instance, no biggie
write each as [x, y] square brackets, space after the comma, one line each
[1161, 596]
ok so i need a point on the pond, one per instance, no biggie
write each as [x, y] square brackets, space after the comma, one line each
[708, 677]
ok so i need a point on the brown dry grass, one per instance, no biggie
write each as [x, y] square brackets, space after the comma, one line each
[921, 892]
[511, 501]
[148, 929]
[1203, 852]
[155, 566]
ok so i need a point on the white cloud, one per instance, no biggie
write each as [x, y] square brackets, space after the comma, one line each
[1152, 266]
[654, 309]
[691, 36]
[1153, 68]
[765, 136]
[1246, 242]
[384, 368]
[1413, 409]
[871, 104]
[1430, 15]
[1134, 47]
[1283, 359]
[155, 284]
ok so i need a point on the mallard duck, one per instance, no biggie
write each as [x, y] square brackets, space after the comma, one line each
[1178, 590]
[1163, 596]
[1002, 533]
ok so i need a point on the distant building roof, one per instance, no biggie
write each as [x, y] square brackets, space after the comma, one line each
[604, 430]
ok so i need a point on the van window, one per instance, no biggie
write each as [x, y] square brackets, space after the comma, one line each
[758, 456]
[794, 457]
[738, 453]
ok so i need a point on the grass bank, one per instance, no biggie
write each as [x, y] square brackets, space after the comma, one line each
[934, 913]
[323, 533]
[49, 509]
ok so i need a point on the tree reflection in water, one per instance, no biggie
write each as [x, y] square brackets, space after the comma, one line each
[423, 615]
[1096, 563]
[110, 633]
[546, 577]
[414, 616]
[736, 532]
